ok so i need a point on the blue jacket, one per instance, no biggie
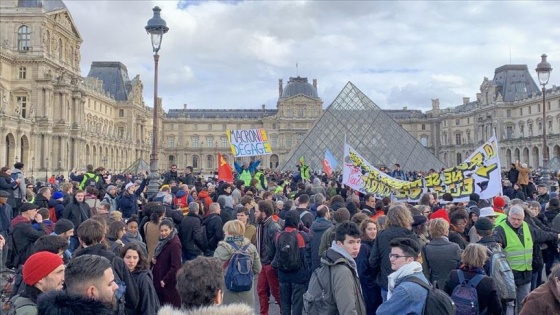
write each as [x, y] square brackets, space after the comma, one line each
[128, 203]
[407, 298]
[318, 227]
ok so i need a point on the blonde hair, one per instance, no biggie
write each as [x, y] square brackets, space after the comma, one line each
[234, 228]
[474, 255]
[438, 228]
[399, 215]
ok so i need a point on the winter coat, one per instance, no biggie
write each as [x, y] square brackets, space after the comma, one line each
[41, 201]
[230, 309]
[513, 175]
[407, 297]
[77, 212]
[523, 176]
[319, 226]
[111, 201]
[379, 258]
[24, 237]
[8, 185]
[370, 290]
[543, 300]
[58, 207]
[267, 248]
[224, 251]
[149, 302]
[486, 291]
[307, 218]
[65, 303]
[190, 233]
[345, 285]
[20, 192]
[119, 269]
[165, 269]
[439, 257]
[151, 236]
[550, 214]
[204, 196]
[6, 214]
[214, 232]
[300, 276]
[458, 238]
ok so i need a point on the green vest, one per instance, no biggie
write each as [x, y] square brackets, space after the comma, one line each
[258, 176]
[520, 257]
[245, 176]
[88, 177]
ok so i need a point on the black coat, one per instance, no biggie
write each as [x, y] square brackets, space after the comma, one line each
[76, 212]
[379, 258]
[24, 236]
[41, 201]
[149, 302]
[214, 232]
[8, 185]
[60, 302]
[319, 226]
[193, 241]
[486, 291]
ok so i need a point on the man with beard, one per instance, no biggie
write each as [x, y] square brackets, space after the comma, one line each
[266, 232]
[189, 177]
[90, 288]
[42, 272]
[171, 175]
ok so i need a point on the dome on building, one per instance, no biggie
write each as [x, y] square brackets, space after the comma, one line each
[297, 86]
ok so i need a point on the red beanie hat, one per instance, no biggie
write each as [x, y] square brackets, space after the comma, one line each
[39, 265]
[441, 214]
[499, 204]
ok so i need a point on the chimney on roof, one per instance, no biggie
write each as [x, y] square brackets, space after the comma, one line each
[405, 108]
[263, 107]
[280, 88]
[435, 103]
[466, 100]
[185, 106]
[315, 84]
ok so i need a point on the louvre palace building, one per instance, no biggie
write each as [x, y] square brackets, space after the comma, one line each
[53, 119]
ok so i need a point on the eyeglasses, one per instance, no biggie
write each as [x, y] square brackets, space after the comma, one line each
[397, 256]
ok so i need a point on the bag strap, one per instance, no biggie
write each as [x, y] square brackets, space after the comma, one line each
[461, 276]
[476, 280]
[418, 281]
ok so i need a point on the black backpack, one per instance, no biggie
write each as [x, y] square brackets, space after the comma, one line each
[437, 301]
[13, 257]
[288, 256]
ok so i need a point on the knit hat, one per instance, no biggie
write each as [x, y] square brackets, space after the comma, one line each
[487, 212]
[475, 210]
[62, 226]
[39, 265]
[419, 220]
[440, 214]
[111, 187]
[27, 206]
[58, 195]
[292, 219]
[499, 202]
[483, 224]
[554, 203]
[128, 186]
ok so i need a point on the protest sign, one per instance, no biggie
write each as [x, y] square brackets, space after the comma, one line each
[250, 142]
[479, 173]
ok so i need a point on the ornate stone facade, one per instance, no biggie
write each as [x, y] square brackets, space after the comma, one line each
[51, 118]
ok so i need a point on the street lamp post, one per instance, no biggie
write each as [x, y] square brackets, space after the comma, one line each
[543, 72]
[156, 28]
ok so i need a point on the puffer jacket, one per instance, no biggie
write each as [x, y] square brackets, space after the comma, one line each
[379, 258]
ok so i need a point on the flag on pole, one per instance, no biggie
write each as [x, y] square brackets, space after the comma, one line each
[329, 163]
[224, 170]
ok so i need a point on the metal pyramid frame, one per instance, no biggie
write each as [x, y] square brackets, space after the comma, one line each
[353, 117]
[137, 167]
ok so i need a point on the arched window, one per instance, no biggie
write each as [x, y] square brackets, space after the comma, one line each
[171, 160]
[210, 162]
[23, 38]
[195, 161]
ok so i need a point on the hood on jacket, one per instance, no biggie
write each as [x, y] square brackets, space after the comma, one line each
[320, 224]
[181, 193]
[59, 302]
[331, 258]
[230, 309]
[203, 194]
[20, 219]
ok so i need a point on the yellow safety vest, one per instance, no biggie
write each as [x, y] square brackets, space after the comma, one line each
[245, 176]
[519, 256]
[258, 176]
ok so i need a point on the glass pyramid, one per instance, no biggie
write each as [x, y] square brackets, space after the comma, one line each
[367, 129]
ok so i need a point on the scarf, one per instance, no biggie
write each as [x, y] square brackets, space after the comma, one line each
[163, 241]
[131, 237]
[403, 271]
[344, 253]
[477, 270]
[234, 239]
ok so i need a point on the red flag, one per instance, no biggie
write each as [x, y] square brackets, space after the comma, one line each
[224, 170]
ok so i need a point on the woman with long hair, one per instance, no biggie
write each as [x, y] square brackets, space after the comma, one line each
[166, 262]
[471, 270]
[370, 290]
[234, 231]
[114, 237]
[137, 263]
[151, 228]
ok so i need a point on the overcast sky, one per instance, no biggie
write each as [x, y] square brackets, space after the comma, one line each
[230, 54]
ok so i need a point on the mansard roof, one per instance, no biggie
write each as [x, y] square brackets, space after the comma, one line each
[114, 76]
[515, 82]
[46, 5]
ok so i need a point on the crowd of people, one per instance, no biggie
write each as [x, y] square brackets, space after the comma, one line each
[93, 243]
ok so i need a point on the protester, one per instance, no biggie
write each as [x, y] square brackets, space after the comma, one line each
[321, 224]
[151, 228]
[250, 230]
[214, 231]
[137, 263]
[440, 256]
[370, 290]
[166, 262]
[235, 241]
[546, 298]
[200, 283]
[24, 235]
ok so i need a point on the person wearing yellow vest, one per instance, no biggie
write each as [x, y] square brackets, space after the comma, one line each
[517, 239]
[261, 178]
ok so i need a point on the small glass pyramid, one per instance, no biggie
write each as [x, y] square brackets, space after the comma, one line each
[368, 129]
